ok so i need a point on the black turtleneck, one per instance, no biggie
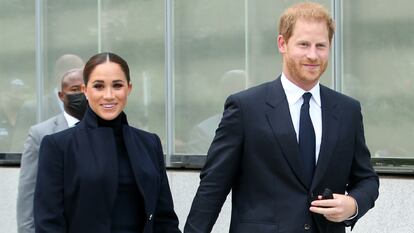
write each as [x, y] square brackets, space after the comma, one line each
[128, 213]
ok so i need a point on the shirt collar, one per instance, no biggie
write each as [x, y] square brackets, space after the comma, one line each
[70, 119]
[294, 93]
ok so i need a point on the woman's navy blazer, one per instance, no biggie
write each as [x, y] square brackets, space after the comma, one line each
[78, 178]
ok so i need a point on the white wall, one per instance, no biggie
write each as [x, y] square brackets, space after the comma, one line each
[8, 193]
[394, 211]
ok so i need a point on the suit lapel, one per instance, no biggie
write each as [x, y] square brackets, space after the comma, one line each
[330, 130]
[60, 123]
[278, 116]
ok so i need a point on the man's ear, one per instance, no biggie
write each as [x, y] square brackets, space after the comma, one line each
[61, 96]
[281, 44]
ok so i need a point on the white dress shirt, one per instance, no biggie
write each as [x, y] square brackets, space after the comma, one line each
[70, 119]
[295, 101]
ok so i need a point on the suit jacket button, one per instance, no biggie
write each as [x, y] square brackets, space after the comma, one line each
[150, 217]
[307, 227]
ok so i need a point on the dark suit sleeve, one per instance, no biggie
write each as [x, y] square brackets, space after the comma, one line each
[48, 197]
[165, 218]
[217, 175]
[363, 183]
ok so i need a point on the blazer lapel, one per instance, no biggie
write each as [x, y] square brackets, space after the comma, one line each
[278, 116]
[330, 130]
[143, 168]
[96, 146]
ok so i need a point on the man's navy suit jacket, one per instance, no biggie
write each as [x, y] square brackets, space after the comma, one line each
[255, 154]
[78, 178]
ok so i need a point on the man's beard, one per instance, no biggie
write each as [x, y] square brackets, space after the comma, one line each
[300, 73]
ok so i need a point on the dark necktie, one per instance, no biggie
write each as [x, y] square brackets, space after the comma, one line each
[306, 140]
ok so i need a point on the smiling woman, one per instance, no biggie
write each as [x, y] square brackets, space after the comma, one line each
[107, 86]
[103, 175]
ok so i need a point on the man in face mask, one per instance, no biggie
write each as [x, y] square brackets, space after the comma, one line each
[74, 101]
[74, 105]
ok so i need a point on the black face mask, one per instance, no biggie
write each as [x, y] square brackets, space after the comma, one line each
[76, 105]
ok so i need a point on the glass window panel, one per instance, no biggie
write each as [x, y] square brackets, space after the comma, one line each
[209, 65]
[221, 47]
[379, 69]
[70, 38]
[132, 29]
[135, 31]
[17, 65]
[263, 58]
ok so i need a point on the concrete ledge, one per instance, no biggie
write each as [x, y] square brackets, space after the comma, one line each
[393, 213]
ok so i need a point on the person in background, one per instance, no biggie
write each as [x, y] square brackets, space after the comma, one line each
[64, 63]
[283, 144]
[103, 175]
[201, 135]
[50, 101]
[12, 98]
[74, 103]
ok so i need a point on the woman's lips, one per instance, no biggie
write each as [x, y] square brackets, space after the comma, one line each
[108, 106]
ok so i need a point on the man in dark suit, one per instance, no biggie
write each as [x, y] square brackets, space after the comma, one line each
[74, 104]
[279, 145]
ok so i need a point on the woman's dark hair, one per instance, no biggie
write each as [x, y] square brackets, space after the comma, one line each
[101, 58]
